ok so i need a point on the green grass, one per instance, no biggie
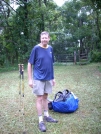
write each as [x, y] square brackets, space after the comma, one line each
[84, 81]
[99, 68]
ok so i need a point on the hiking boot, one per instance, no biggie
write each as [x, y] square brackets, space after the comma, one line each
[42, 126]
[50, 119]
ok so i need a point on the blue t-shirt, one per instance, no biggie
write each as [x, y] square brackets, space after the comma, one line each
[42, 60]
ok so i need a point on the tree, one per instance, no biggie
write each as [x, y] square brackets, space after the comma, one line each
[97, 3]
[75, 25]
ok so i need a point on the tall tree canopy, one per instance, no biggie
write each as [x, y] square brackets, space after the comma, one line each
[74, 26]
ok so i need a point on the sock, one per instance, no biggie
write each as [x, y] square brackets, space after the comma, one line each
[46, 113]
[40, 118]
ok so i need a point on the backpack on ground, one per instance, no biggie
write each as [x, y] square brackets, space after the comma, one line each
[64, 102]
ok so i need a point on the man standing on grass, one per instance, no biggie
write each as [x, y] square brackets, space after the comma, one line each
[42, 58]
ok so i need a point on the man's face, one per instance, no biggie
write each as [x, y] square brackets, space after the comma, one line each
[44, 39]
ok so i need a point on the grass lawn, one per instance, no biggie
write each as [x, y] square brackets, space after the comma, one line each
[84, 81]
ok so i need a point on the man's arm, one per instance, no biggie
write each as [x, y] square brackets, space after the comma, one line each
[30, 79]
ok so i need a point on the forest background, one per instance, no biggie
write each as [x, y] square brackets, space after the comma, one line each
[74, 26]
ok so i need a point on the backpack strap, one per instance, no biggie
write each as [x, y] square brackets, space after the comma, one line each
[66, 94]
[62, 96]
[58, 97]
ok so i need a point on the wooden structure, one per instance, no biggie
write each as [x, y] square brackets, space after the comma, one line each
[83, 57]
[66, 58]
[76, 57]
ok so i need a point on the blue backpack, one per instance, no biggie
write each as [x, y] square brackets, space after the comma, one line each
[64, 102]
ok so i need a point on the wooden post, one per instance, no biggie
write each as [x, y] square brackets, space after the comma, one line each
[74, 57]
[79, 54]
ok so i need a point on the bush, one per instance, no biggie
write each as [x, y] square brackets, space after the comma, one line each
[1, 60]
[96, 56]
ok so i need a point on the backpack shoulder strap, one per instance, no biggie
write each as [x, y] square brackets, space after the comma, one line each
[58, 97]
[66, 94]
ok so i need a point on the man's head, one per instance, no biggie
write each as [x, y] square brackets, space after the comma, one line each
[44, 37]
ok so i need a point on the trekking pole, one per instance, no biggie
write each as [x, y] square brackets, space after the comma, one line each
[21, 93]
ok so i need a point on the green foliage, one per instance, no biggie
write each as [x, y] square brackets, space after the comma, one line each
[96, 56]
[1, 60]
[97, 3]
[75, 25]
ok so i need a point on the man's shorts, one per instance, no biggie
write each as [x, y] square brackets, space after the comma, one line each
[42, 87]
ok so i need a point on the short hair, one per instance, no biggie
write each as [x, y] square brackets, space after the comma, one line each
[45, 32]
